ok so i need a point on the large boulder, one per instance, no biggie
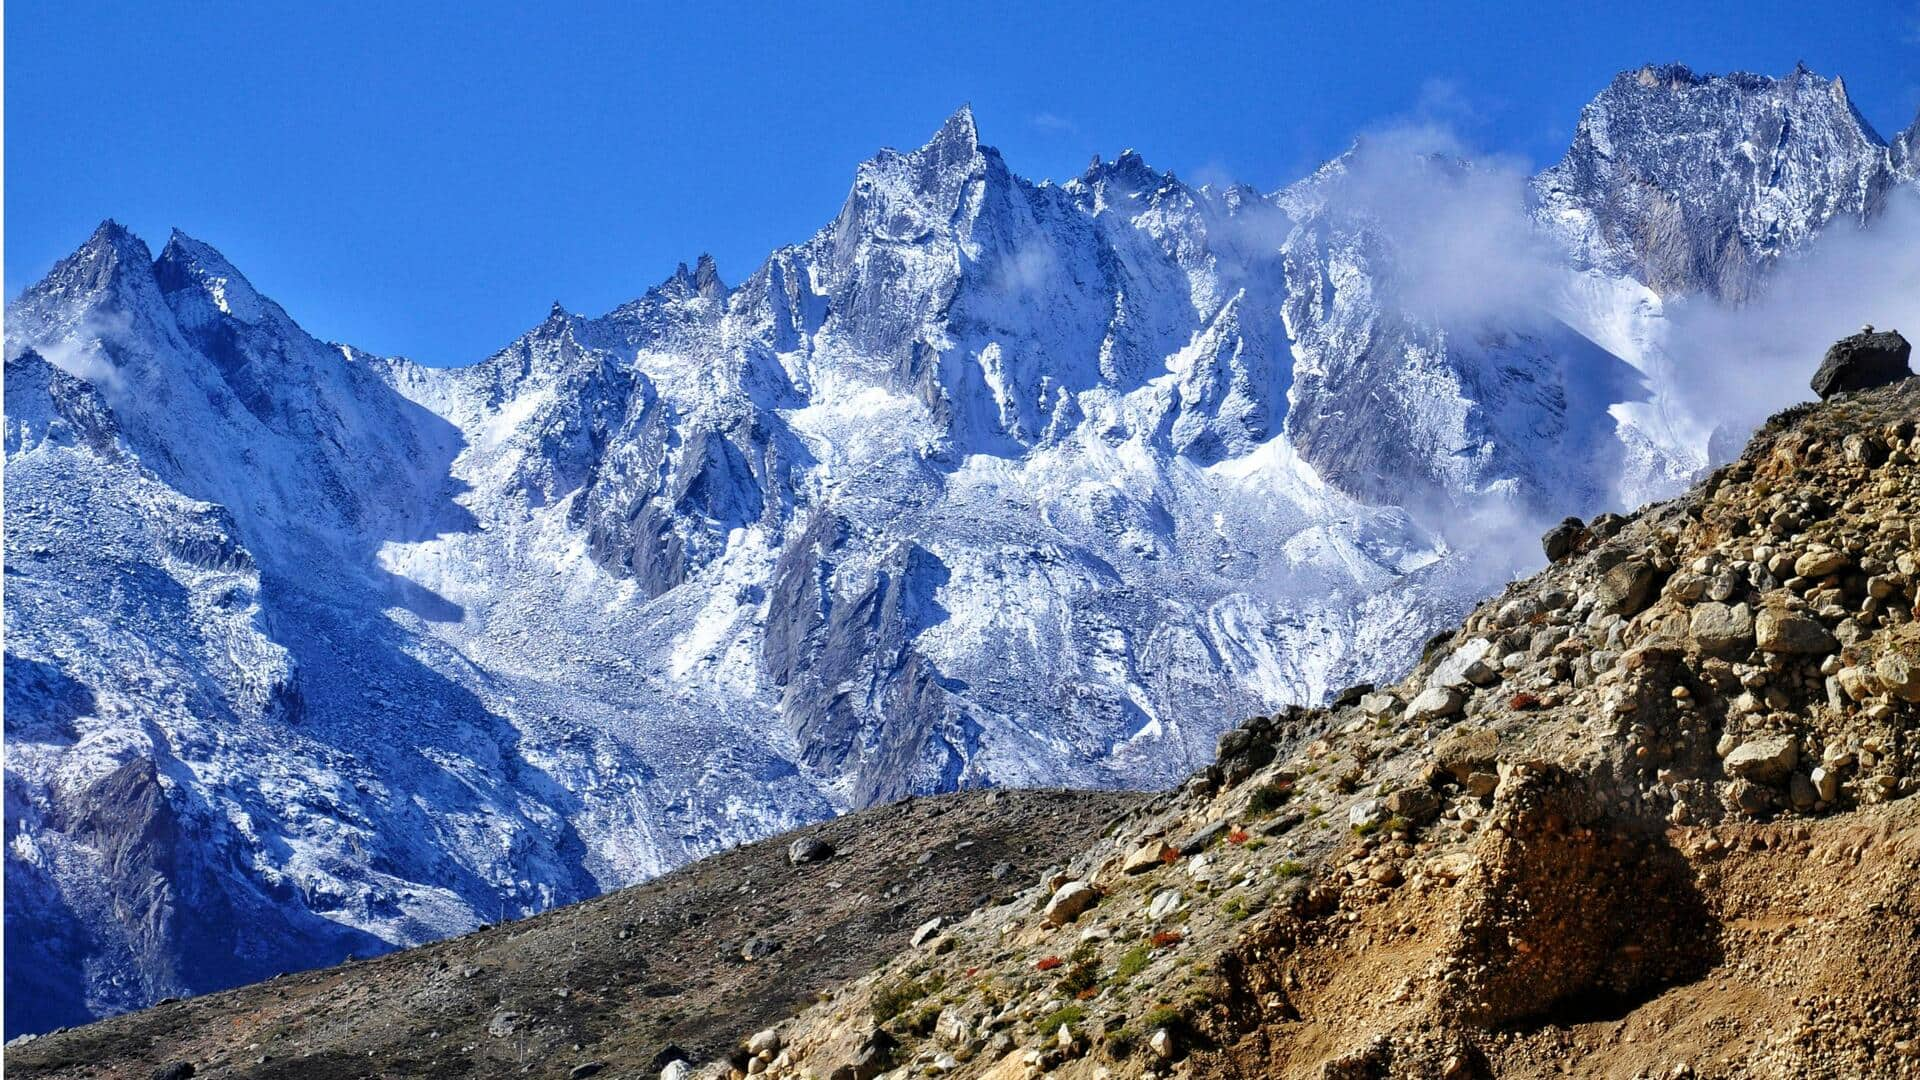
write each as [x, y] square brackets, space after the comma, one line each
[1069, 901]
[1863, 361]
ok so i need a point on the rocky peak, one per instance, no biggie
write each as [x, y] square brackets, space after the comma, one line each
[706, 279]
[193, 276]
[1754, 165]
[113, 265]
[702, 281]
[1905, 152]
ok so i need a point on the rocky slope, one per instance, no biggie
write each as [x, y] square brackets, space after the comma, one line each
[989, 482]
[1646, 813]
[685, 964]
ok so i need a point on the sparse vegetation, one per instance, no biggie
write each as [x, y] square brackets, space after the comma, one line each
[893, 999]
[1133, 962]
[1080, 978]
[1071, 1016]
[1269, 798]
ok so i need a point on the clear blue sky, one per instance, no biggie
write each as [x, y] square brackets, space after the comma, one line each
[426, 179]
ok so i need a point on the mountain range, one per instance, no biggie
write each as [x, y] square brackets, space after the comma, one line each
[312, 652]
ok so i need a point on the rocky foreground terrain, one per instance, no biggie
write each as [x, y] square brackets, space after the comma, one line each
[1644, 814]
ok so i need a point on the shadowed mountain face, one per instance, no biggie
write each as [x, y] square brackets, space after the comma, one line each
[988, 483]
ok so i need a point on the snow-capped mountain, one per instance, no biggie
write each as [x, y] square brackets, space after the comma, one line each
[313, 652]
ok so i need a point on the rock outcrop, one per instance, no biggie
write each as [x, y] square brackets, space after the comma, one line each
[1863, 361]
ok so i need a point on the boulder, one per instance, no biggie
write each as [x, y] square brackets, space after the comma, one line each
[1782, 631]
[1201, 839]
[1469, 665]
[926, 930]
[1563, 539]
[1863, 361]
[1069, 902]
[1434, 703]
[1379, 704]
[1419, 805]
[1899, 674]
[1149, 856]
[809, 849]
[765, 1041]
[1766, 760]
[1352, 695]
[1722, 629]
[1627, 589]
[1818, 564]
[1464, 753]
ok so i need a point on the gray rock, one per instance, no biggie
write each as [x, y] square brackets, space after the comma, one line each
[1721, 629]
[1781, 631]
[677, 1069]
[1069, 902]
[1415, 804]
[1379, 704]
[1563, 539]
[926, 931]
[1367, 813]
[809, 849]
[1199, 841]
[1435, 702]
[1626, 589]
[1469, 665]
[585, 1069]
[1766, 760]
[504, 1024]
[1861, 362]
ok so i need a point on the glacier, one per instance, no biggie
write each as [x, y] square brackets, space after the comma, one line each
[314, 653]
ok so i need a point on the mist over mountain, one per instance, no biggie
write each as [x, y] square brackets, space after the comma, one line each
[312, 652]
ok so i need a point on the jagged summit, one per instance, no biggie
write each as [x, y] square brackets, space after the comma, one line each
[1758, 165]
[186, 263]
[958, 132]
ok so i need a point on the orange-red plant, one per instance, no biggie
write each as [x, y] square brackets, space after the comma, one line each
[1048, 963]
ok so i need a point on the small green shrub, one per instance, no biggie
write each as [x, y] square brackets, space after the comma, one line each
[1289, 868]
[1133, 962]
[891, 1000]
[1164, 1017]
[1268, 798]
[1079, 979]
[1070, 1016]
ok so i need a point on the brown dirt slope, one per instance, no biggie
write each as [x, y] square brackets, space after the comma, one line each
[620, 979]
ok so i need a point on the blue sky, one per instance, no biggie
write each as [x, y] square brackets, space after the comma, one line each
[426, 179]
